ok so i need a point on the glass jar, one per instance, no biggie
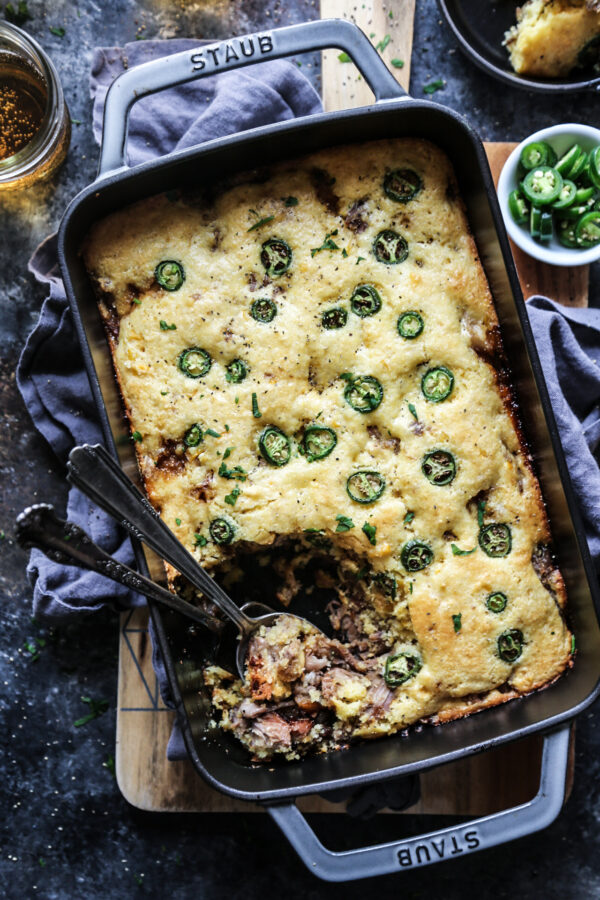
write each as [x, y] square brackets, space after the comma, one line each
[35, 124]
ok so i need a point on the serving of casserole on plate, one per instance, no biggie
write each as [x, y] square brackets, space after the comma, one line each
[310, 360]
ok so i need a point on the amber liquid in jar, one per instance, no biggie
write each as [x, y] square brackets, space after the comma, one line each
[23, 99]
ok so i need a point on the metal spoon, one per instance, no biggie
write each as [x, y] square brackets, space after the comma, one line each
[96, 474]
[67, 543]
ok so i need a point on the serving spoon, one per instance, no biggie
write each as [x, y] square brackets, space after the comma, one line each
[67, 543]
[96, 474]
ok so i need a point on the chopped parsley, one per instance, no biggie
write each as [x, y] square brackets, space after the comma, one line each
[178, 521]
[383, 43]
[433, 86]
[413, 411]
[328, 243]
[137, 301]
[17, 16]
[344, 523]
[410, 587]
[255, 410]
[290, 201]
[370, 530]
[457, 622]
[572, 643]
[261, 222]
[232, 497]
[397, 63]
[212, 433]
[163, 393]
[110, 765]
[165, 327]
[344, 253]
[359, 259]
[343, 57]
[137, 437]
[408, 518]
[200, 540]
[42, 862]
[32, 648]
[57, 30]
[456, 551]
[75, 121]
[480, 512]
[228, 452]
[237, 473]
[97, 708]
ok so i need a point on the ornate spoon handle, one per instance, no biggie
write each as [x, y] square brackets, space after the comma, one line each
[67, 543]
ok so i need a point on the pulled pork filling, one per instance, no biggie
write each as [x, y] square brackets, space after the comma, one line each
[304, 691]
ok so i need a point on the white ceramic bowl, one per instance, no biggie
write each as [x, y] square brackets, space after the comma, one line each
[560, 137]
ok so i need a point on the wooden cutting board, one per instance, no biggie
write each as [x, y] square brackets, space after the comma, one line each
[477, 786]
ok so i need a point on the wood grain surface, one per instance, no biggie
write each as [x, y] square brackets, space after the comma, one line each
[475, 786]
[389, 24]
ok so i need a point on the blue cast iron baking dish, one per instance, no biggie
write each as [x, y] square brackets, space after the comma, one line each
[394, 114]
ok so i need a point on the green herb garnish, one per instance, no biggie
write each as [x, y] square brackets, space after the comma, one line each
[178, 521]
[408, 518]
[110, 765]
[370, 531]
[255, 410]
[397, 63]
[136, 436]
[237, 473]
[291, 201]
[480, 512]
[232, 497]
[456, 551]
[327, 244]
[572, 643]
[97, 708]
[137, 301]
[212, 433]
[165, 327]
[261, 222]
[344, 523]
[343, 57]
[200, 540]
[457, 622]
[228, 451]
[57, 30]
[433, 86]
[413, 411]
[383, 43]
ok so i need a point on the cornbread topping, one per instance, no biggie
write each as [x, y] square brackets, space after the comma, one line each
[553, 37]
[310, 361]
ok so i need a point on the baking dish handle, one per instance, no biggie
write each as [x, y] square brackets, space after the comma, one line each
[435, 846]
[209, 59]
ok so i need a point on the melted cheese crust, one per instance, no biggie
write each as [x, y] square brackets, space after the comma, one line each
[294, 370]
[549, 35]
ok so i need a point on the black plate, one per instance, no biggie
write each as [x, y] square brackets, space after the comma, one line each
[479, 27]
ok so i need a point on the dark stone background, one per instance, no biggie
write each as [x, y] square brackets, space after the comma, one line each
[66, 831]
